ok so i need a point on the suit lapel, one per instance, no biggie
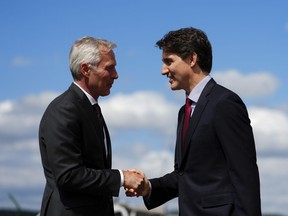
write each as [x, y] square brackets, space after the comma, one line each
[197, 113]
[85, 103]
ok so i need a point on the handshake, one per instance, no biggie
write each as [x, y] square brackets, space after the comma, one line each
[136, 183]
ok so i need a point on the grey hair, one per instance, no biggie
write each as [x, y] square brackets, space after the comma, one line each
[87, 50]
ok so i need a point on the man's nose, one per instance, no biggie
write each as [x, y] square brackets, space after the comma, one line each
[114, 74]
[164, 70]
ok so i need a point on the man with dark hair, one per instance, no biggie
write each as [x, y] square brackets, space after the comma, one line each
[215, 171]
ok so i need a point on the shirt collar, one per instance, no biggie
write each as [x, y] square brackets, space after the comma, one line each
[90, 98]
[197, 90]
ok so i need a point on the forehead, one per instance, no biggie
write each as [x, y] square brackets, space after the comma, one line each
[108, 57]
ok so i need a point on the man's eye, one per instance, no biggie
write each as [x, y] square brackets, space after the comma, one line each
[168, 62]
[110, 69]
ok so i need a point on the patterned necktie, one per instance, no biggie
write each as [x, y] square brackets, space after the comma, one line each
[188, 110]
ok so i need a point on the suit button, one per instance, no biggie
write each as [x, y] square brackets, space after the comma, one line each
[181, 173]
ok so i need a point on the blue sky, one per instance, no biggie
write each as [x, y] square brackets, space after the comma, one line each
[250, 43]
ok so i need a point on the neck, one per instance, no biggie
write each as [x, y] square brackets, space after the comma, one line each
[197, 78]
[84, 87]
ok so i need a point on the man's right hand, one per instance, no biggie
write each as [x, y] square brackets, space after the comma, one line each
[136, 183]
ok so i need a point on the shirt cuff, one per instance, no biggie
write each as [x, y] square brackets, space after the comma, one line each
[148, 196]
[121, 178]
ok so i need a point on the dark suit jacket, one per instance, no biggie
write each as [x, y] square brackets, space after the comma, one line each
[215, 172]
[79, 179]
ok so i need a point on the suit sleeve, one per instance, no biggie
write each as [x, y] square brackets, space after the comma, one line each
[236, 137]
[163, 189]
[62, 133]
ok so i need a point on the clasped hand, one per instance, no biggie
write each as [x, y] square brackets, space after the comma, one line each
[136, 183]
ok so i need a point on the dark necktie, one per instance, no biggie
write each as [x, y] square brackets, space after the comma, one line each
[187, 115]
[101, 126]
[99, 117]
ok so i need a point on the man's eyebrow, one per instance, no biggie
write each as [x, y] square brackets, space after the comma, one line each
[166, 59]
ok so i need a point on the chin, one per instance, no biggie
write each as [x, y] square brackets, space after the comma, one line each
[174, 88]
[106, 93]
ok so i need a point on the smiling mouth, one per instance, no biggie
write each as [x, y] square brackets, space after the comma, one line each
[110, 84]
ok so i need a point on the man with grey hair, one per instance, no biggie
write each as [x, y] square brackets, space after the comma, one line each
[74, 140]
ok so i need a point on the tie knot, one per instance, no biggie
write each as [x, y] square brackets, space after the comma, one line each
[188, 102]
[98, 109]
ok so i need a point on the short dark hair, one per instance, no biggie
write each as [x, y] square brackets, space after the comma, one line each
[186, 41]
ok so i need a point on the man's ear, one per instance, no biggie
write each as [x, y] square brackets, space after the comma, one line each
[193, 59]
[84, 68]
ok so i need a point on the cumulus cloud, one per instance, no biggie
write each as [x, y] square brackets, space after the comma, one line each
[149, 110]
[274, 190]
[22, 117]
[248, 85]
[153, 163]
[270, 129]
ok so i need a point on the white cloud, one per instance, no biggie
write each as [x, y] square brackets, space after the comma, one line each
[23, 116]
[248, 85]
[6, 106]
[273, 181]
[152, 163]
[146, 110]
[21, 164]
[270, 129]
[38, 101]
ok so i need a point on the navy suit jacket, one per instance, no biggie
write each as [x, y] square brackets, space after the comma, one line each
[79, 178]
[215, 171]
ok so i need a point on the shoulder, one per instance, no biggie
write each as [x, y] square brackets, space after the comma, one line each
[229, 104]
[63, 100]
[70, 98]
[222, 93]
[67, 103]
[223, 99]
